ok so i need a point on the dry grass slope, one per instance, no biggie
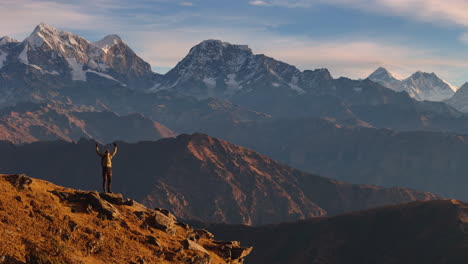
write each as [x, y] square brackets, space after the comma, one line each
[44, 223]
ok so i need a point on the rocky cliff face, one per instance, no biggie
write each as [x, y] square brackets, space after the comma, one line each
[45, 223]
[419, 232]
[203, 178]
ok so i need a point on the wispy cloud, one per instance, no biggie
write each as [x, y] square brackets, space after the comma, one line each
[258, 3]
[450, 11]
[34, 12]
[186, 4]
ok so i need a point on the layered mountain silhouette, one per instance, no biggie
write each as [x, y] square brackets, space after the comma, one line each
[420, 85]
[202, 178]
[418, 232]
[213, 80]
[46, 223]
[29, 122]
[422, 160]
[102, 90]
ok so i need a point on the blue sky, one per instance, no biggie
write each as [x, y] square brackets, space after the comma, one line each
[349, 37]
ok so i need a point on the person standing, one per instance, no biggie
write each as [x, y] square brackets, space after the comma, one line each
[106, 163]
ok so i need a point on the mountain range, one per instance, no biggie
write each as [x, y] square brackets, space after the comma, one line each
[226, 91]
[421, 85]
[202, 178]
[58, 66]
[422, 160]
[61, 93]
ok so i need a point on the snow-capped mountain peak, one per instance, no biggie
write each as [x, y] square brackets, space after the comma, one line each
[427, 86]
[68, 45]
[420, 74]
[385, 78]
[382, 74]
[214, 68]
[6, 39]
[108, 42]
[420, 85]
[453, 87]
[57, 57]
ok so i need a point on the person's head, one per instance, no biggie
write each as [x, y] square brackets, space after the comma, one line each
[107, 152]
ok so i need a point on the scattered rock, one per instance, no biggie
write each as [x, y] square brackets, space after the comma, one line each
[19, 181]
[191, 245]
[204, 233]
[164, 222]
[92, 202]
[152, 240]
[166, 213]
[116, 224]
[116, 198]
[93, 246]
[232, 251]
[197, 259]
[183, 225]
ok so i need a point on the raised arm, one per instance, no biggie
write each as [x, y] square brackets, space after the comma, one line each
[115, 150]
[98, 152]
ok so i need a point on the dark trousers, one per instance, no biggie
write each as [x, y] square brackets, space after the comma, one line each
[106, 178]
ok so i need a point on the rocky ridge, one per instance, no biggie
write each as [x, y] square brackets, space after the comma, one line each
[45, 223]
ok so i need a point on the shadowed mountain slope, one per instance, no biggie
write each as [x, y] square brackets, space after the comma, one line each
[202, 178]
[418, 233]
[426, 161]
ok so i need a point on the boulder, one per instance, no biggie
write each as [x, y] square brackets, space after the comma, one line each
[164, 222]
[191, 245]
[19, 181]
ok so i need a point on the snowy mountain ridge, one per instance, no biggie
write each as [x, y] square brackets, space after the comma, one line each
[420, 85]
[51, 60]
[219, 69]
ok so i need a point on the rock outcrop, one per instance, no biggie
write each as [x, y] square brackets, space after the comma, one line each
[44, 223]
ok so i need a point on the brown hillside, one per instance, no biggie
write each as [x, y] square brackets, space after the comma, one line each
[243, 186]
[414, 233]
[202, 178]
[29, 122]
[44, 223]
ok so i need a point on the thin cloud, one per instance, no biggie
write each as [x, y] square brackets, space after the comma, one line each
[449, 11]
[258, 3]
[186, 4]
